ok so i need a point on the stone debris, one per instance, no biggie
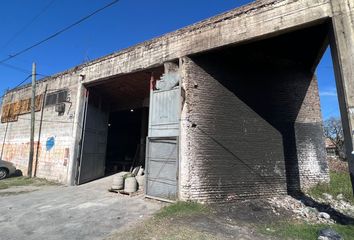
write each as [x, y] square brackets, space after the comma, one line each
[298, 207]
[324, 215]
[327, 196]
[339, 204]
[304, 209]
[328, 234]
[340, 197]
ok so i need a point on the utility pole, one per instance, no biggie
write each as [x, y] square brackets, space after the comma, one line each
[40, 131]
[33, 99]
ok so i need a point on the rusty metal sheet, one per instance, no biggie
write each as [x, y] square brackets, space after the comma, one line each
[11, 111]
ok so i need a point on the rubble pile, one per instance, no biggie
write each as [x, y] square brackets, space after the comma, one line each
[338, 203]
[300, 210]
[307, 209]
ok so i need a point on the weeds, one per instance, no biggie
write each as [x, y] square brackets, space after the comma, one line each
[305, 231]
[181, 208]
[339, 184]
[23, 181]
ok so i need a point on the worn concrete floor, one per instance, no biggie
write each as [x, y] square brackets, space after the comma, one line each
[88, 211]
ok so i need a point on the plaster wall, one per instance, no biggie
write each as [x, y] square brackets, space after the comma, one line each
[56, 140]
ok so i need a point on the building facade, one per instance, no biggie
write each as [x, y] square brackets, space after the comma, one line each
[221, 110]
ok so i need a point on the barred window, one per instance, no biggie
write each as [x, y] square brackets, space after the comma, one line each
[56, 97]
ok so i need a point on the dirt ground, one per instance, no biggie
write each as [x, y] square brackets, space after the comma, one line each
[230, 221]
[250, 212]
[88, 211]
[252, 219]
[198, 227]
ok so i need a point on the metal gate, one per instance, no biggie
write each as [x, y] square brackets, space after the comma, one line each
[162, 165]
[94, 141]
[162, 142]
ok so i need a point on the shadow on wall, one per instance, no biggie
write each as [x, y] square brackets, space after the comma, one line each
[261, 87]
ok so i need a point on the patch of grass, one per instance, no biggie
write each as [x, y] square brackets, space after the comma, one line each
[305, 231]
[23, 181]
[339, 184]
[181, 209]
[5, 194]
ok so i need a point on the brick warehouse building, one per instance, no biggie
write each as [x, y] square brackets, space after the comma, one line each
[224, 109]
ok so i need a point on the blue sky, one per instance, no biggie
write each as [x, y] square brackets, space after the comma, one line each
[125, 24]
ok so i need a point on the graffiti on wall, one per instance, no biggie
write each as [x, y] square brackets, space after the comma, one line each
[50, 143]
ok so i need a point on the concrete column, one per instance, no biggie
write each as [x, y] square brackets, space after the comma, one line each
[342, 44]
[77, 131]
[310, 145]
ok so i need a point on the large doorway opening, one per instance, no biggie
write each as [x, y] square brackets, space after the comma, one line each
[127, 132]
[115, 125]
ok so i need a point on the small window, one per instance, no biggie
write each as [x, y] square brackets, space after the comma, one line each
[56, 97]
[62, 96]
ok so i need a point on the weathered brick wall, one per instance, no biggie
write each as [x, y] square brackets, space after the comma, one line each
[311, 153]
[245, 130]
[228, 150]
[53, 161]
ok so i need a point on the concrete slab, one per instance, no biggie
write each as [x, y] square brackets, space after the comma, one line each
[85, 212]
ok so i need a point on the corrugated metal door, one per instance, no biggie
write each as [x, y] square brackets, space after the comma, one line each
[162, 142]
[94, 142]
[164, 113]
[162, 168]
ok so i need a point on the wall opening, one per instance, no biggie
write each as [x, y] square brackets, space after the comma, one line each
[127, 132]
[333, 130]
[115, 125]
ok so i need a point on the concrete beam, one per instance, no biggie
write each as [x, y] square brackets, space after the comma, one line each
[342, 44]
[258, 20]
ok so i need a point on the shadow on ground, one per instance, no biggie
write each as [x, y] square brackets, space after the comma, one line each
[337, 216]
[18, 173]
[249, 212]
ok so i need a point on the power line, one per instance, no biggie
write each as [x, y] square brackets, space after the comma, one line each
[15, 68]
[25, 27]
[43, 75]
[59, 32]
[19, 69]
[18, 85]
[23, 81]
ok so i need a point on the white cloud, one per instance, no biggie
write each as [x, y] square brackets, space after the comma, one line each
[328, 93]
